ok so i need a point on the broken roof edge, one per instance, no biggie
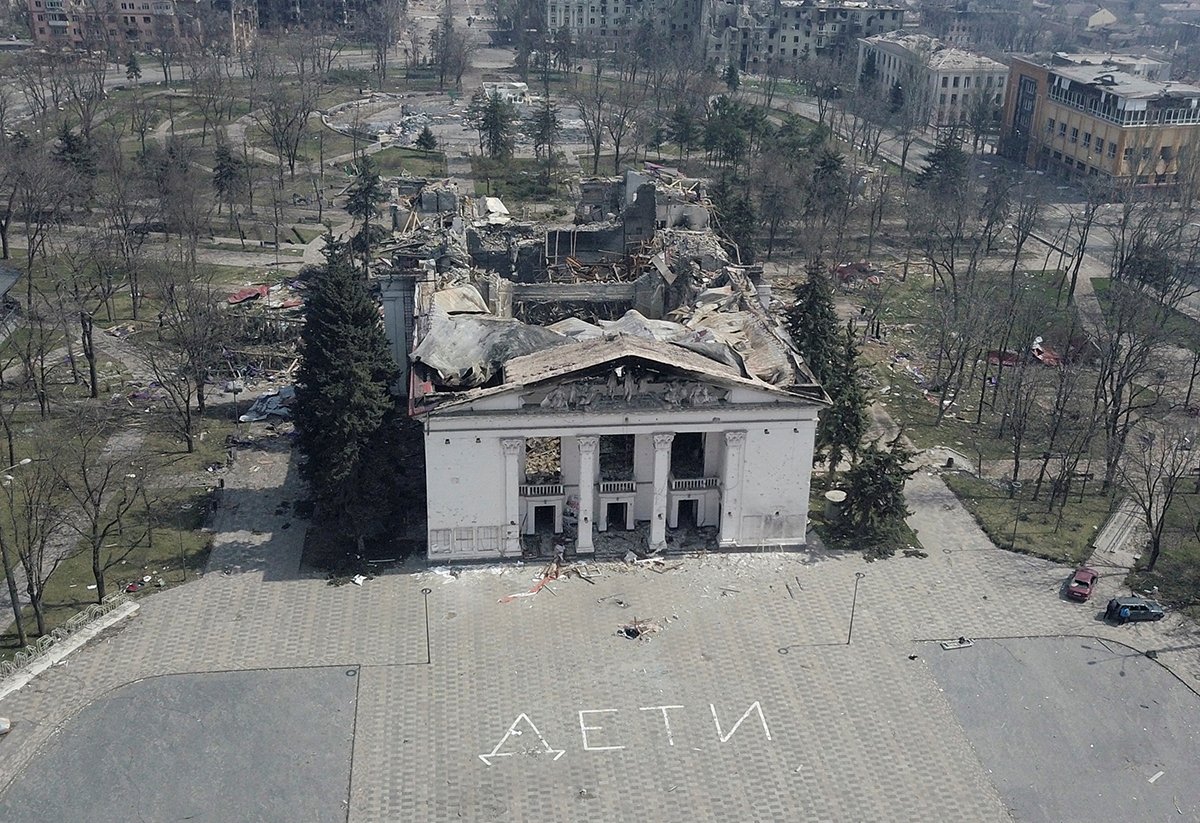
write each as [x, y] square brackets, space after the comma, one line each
[810, 394]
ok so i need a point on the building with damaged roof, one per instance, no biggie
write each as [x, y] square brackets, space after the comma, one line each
[639, 387]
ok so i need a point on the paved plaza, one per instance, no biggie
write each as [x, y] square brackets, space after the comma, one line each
[747, 703]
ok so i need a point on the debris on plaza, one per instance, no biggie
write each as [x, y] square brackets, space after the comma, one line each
[556, 569]
[638, 629]
[960, 643]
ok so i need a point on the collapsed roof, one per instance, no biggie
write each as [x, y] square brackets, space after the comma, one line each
[679, 303]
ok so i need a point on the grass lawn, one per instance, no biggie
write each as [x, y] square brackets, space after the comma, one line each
[307, 234]
[1067, 539]
[397, 161]
[1177, 573]
[904, 309]
[171, 549]
[1181, 329]
[514, 179]
[162, 542]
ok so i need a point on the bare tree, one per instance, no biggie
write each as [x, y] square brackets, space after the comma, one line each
[92, 276]
[1153, 472]
[121, 200]
[1129, 379]
[33, 516]
[84, 82]
[385, 19]
[102, 484]
[590, 96]
[192, 325]
[620, 118]
[283, 115]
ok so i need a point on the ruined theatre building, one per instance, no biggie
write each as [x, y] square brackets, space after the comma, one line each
[604, 385]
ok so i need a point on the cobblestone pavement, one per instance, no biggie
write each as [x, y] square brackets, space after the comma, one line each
[747, 704]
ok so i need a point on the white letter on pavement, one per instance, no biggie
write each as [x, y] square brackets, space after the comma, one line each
[584, 729]
[666, 720]
[753, 707]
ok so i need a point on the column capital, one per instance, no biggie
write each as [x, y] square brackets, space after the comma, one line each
[512, 445]
[588, 443]
[735, 438]
[662, 441]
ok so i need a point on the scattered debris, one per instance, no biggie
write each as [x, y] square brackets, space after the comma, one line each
[556, 569]
[915, 553]
[250, 293]
[638, 629]
[274, 403]
[960, 643]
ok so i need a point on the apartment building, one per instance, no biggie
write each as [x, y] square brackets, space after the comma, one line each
[755, 36]
[592, 19]
[122, 26]
[956, 79]
[1068, 118]
[779, 34]
[125, 24]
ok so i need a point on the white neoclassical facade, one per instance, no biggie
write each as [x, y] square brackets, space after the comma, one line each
[639, 432]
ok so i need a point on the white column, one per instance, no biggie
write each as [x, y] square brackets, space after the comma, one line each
[662, 469]
[512, 493]
[587, 493]
[731, 487]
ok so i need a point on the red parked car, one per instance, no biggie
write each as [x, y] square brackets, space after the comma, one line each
[1082, 584]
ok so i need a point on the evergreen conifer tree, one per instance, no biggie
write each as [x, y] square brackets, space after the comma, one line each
[343, 398]
[362, 202]
[875, 487]
[426, 140]
[945, 168]
[812, 322]
[843, 425]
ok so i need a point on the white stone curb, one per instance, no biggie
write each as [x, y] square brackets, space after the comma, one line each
[59, 651]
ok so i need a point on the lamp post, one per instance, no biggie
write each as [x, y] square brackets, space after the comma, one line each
[235, 387]
[1016, 490]
[25, 462]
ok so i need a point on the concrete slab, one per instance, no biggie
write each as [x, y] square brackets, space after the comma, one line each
[251, 745]
[1077, 728]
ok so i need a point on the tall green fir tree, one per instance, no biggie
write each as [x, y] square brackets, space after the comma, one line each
[812, 322]
[946, 168]
[735, 219]
[362, 202]
[499, 124]
[843, 425]
[343, 398]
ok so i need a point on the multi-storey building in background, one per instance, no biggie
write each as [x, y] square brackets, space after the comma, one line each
[124, 26]
[775, 36]
[954, 80]
[755, 37]
[138, 25]
[1070, 115]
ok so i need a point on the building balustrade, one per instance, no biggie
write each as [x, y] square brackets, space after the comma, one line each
[688, 484]
[542, 489]
[617, 487]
